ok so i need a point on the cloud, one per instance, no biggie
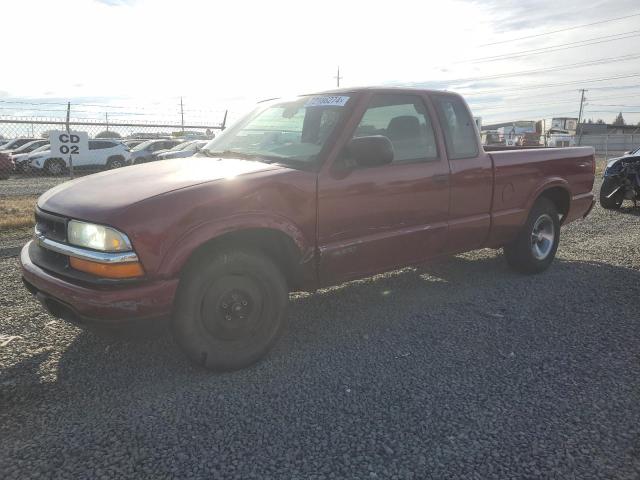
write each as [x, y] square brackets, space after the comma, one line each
[231, 54]
[117, 3]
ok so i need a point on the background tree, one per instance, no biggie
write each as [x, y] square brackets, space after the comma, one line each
[619, 120]
[108, 134]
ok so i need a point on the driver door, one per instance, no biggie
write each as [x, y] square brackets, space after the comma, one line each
[382, 217]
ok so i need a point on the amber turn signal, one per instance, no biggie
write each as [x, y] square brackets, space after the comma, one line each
[108, 270]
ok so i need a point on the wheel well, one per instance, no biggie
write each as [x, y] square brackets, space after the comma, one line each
[276, 245]
[49, 161]
[560, 198]
[115, 157]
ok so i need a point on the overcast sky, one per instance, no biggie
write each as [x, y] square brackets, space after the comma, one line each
[140, 56]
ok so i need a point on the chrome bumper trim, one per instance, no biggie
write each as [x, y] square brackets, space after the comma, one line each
[84, 254]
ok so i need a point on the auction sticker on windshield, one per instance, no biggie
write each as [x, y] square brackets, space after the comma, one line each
[327, 101]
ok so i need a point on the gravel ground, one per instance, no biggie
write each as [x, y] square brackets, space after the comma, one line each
[14, 237]
[463, 369]
[29, 185]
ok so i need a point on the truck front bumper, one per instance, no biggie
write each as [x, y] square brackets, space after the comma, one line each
[97, 304]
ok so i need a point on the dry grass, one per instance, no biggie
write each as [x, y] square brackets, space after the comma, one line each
[17, 212]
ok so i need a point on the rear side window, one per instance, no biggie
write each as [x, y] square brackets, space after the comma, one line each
[100, 144]
[403, 119]
[459, 133]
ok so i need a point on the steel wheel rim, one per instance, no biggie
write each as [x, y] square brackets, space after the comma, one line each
[55, 168]
[231, 309]
[542, 237]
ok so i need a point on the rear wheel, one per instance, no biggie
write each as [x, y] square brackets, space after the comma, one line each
[230, 309]
[54, 166]
[115, 162]
[535, 246]
[608, 201]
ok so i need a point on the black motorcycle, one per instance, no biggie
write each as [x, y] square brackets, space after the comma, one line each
[621, 181]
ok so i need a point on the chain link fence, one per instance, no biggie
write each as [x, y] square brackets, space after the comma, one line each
[28, 167]
[605, 145]
[612, 145]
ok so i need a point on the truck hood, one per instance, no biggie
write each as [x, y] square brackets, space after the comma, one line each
[100, 196]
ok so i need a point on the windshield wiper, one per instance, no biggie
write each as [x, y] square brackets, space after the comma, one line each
[228, 154]
[241, 155]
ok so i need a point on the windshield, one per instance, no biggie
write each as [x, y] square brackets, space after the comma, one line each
[27, 147]
[44, 147]
[180, 146]
[11, 144]
[143, 145]
[282, 131]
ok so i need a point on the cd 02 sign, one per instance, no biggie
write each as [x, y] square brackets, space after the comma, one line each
[69, 145]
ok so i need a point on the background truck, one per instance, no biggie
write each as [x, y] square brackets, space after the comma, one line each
[299, 194]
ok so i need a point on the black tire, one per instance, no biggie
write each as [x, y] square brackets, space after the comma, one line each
[535, 247]
[115, 162]
[230, 309]
[54, 166]
[615, 202]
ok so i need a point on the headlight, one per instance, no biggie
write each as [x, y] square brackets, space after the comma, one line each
[98, 237]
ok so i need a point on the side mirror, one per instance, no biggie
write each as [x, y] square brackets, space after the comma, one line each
[371, 151]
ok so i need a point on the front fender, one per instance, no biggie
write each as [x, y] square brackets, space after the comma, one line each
[190, 241]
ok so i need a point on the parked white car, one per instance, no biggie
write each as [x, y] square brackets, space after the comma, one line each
[103, 154]
[183, 150]
[22, 160]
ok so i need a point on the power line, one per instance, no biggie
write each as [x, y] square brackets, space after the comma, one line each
[613, 105]
[533, 87]
[556, 92]
[561, 30]
[547, 115]
[600, 61]
[509, 106]
[553, 48]
[614, 111]
[512, 106]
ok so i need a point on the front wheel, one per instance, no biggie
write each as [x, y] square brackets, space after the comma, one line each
[230, 309]
[115, 162]
[608, 201]
[54, 166]
[535, 247]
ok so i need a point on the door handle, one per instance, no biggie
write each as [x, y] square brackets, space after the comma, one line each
[442, 178]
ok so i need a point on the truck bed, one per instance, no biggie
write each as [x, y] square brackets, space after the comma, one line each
[521, 173]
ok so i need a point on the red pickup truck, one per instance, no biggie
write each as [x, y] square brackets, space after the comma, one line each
[299, 194]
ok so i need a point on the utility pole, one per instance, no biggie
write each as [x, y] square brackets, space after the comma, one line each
[181, 114]
[70, 157]
[106, 119]
[580, 114]
[338, 78]
[224, 121]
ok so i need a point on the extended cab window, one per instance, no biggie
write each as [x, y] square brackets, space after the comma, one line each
[403, 119]
[458, 126]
